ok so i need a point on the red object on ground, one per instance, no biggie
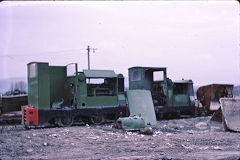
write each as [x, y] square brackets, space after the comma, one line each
[29, 115]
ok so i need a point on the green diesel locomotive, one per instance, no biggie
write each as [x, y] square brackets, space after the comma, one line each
[170, 99]
[60, 95]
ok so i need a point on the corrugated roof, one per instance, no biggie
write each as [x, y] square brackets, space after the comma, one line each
[99, 73]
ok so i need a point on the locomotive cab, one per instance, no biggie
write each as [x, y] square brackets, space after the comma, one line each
[153, 79]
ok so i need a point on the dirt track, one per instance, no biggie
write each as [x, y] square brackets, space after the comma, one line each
[194, 138]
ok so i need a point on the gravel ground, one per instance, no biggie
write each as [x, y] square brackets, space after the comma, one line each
[192, 138]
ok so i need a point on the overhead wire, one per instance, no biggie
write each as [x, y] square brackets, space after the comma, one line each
[43, 53]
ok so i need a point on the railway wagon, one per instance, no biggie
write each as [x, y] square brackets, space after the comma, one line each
[12, 103]
[60, 95]
[209, 96]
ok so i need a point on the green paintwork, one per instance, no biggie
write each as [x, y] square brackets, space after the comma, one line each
[101, 101]
[164, 92]
[140, 104]
[141, 110]
[170, 97]
[82, 90]
[192, 101]
[121, 99]
[39, 86]
[57, 81]
[145, 76]
[186, 97]
[53, 87]
[181, 99]
[131, 123]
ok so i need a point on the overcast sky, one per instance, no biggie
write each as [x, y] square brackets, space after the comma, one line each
[194, 40]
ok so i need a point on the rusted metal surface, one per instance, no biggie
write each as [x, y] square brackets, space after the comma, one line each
[209, 95]
[217, 116]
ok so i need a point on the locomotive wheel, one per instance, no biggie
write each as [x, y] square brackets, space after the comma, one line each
[96, 120]
[86, 120]
[64, 121]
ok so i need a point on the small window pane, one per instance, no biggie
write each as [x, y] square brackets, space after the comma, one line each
[135, 76]
[32, 70]
[95, 80]
[71, 70]
[158, 76]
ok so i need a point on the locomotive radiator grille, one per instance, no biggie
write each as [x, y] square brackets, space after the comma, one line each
[29, 116]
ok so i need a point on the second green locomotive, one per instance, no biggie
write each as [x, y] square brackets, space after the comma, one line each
[170, 99]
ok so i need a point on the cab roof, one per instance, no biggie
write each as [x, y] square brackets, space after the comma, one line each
[149, 68]
[99, 74]
[184, 81]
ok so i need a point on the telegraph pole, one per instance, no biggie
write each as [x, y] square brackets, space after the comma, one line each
[88, 52]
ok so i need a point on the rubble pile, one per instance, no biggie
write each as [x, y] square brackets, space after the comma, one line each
[197, 138]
